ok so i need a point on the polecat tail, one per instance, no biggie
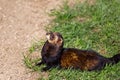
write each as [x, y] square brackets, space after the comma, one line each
[115, 59]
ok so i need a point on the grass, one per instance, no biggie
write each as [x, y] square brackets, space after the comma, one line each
[86, 26]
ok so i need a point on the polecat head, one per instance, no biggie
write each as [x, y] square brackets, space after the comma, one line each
[54, 38]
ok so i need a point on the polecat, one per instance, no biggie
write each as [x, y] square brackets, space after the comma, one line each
[51, 51]
[53, 54]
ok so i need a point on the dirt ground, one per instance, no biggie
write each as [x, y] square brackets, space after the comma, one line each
[21, 23]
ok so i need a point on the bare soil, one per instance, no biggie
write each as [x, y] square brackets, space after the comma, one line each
[21, 23]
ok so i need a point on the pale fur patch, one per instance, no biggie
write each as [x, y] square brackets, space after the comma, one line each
[52, 41]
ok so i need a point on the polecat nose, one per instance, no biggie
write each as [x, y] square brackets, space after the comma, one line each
[48, 33]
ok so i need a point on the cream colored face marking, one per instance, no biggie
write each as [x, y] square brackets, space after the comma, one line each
[56, 39]
[51, 41]
[48, 37]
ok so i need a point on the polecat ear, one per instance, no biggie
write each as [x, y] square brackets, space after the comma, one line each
[60, 40]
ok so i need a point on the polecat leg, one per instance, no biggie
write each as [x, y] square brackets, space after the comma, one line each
[38, 64]
[46, 68]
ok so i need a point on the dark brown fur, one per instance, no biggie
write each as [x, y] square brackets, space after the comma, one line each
[51, 51]
[55, 55]
[83, 59]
